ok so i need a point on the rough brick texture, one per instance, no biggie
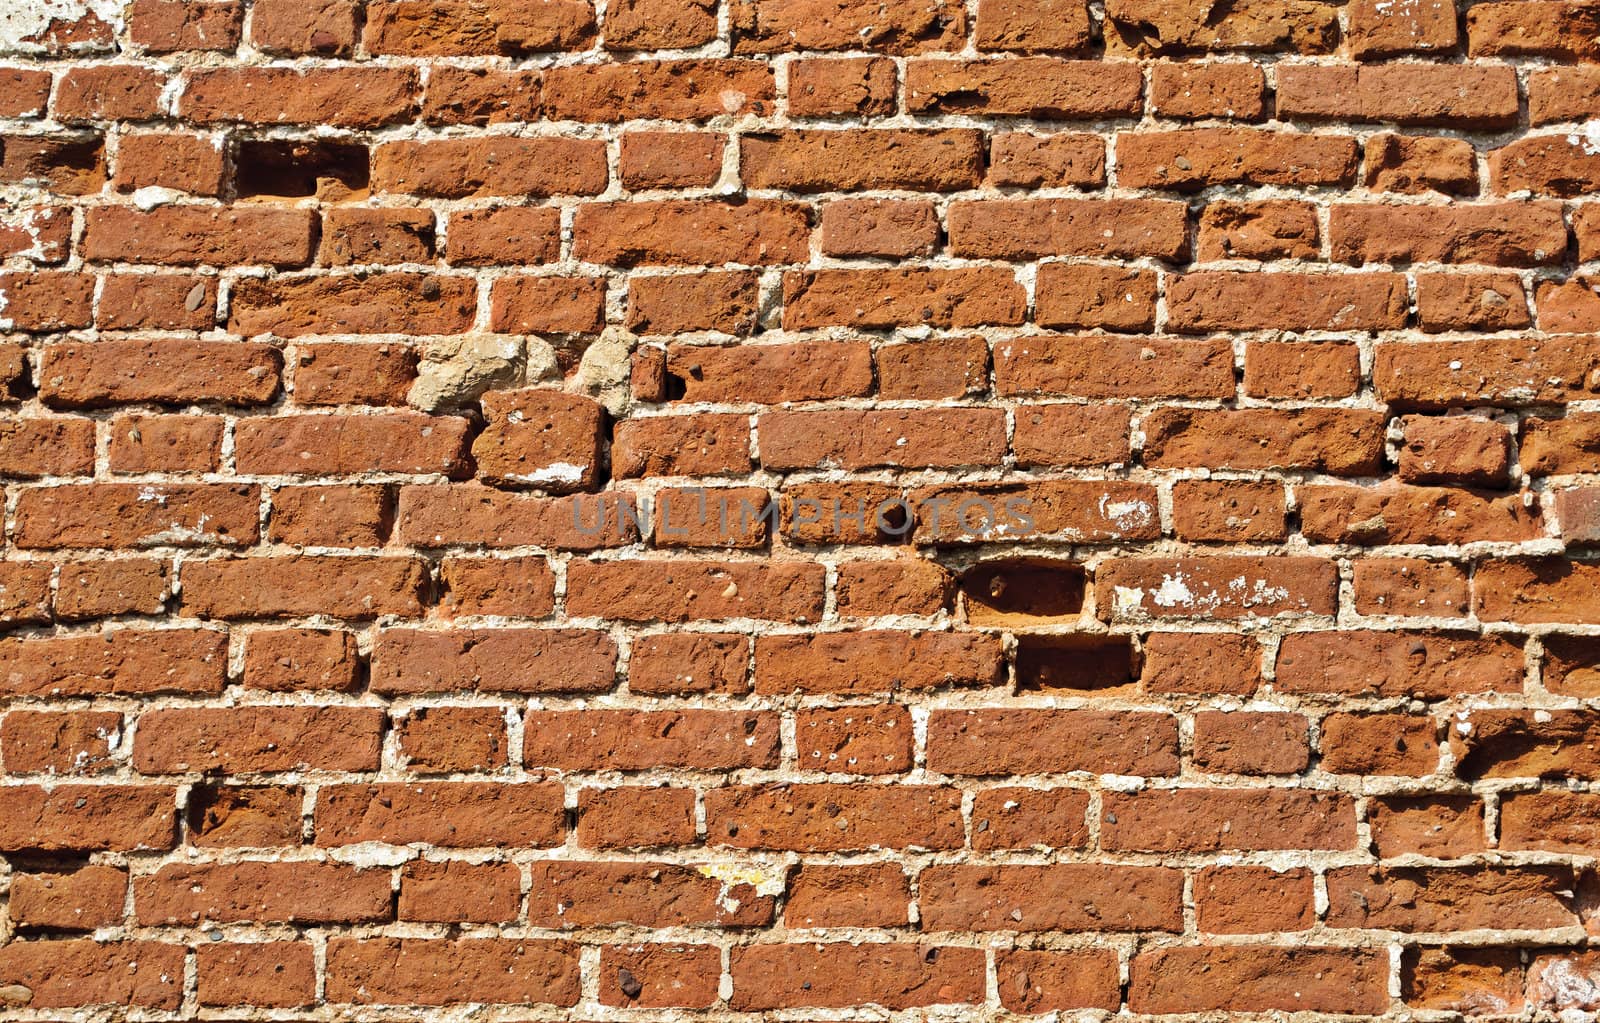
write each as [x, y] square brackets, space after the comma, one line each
[807, 510]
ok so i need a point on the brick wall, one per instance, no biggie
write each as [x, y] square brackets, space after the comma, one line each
[690, 510]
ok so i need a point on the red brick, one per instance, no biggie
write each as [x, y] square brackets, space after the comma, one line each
[1396, 513]
[64, 743]
[1377, 30]
[690, 232]
[287, 660]
[1254, 900]
[834, 818]
[1034, 981]
[24, 92]
[516, 235]
[893, 975]
[356, 587]
[1259, 978]
[47, 301]
[330, 445]
[874, 661]
[480, 96]
[1027, 228]
[157, 302]
[508, 660]
[1337, 441]
[450, 891]
[874, 298]
[236, 816]
[117, 661]
[64, 164]
[1032, 26]
[1220, 587]
[660, 975]
[499, 27]
[768, 26]
[1505, 234]
[678, 591]
[1267, 229]
[854, 740]
[664, 159]
[1563, 30]
[934, 368]
[1251, 742]
[42, 234]
[727, 302]
[612, 740]
[169, 26]
[1057, 897]
[873, 895]
[499, 165]
[1463, 979]
[1476, 301]
[446, 515]
[678, 90]
[306, 893]
[1562, 94]
[1441, 826]
[271, 974]
[1413, 899]
[449, 971]
[1379, 744]
[1419, 164]
[1293, 369]
[1036, 87]
[1233, 90]
[25, 592]
[1208, 820]
[1194, 158]
[879, 227]
[452, 814]
[566, 894]
[1460, 96]
[634, 817]
[1411, 586]
[1234, 300]
[197, 235]
[108, 92]
[822, 86]
[1420, 665]
[1445, 374]
[322, 28]
[138, 515]
[1060, 160]
[518, 587]
[660, 24]
[1098, 367]
[248, 740]
[78, 900]
[947, 160]
[1559, 165]
[87, 818]
[53, 446]
[442, 740]
[346, 97]
[689, 663]
[85, 972]
[997, 741]
[170, 372]
[1070, 435]
[1029, 818]
[1153, 26]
